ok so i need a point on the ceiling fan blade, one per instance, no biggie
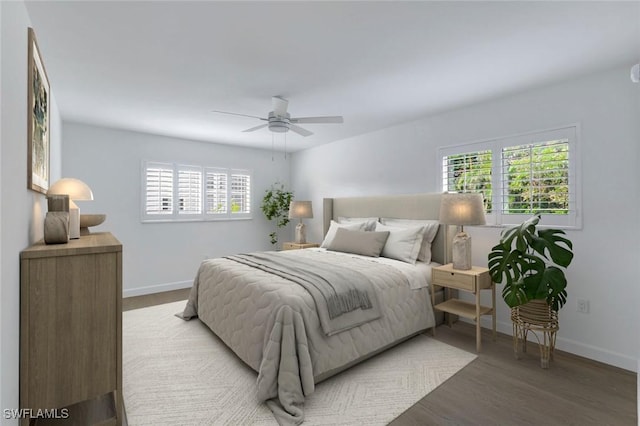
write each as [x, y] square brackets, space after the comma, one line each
[279, 106]
[241, 115]
[332, 119]
[253, 129]
[299, 130]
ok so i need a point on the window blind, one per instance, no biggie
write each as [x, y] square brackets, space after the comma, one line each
[189, 191]
[536, 178]
[240, 193]
[536, 172]
[216, 192]
[159, 189]
[469, 172]
[175, 192]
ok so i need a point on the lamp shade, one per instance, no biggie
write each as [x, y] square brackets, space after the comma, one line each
[300, 210]
[462, 209]
[74, 188]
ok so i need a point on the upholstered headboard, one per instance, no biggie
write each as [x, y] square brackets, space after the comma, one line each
[410, 206]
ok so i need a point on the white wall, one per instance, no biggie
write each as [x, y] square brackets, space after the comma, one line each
[21, 210]
[401, 159]
[163, 256]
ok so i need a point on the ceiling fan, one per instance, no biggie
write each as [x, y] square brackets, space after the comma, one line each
[280, 121]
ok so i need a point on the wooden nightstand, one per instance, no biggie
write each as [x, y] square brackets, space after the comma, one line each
[296, 246]
[472, 280]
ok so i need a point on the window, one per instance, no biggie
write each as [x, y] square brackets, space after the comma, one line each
[174, 192]
[216, 192]
[189, 191]
[240, 193]
[469, 172]
[519, 176]
[159, 189]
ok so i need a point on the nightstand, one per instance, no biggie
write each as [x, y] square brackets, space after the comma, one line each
[296, 246]
[473, 281]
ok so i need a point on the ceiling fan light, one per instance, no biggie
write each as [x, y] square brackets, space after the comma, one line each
[278, 127]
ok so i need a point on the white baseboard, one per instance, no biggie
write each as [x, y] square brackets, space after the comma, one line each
[141, 291]
[587, 351]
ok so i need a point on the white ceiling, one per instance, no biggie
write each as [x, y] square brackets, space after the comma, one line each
[161, 67]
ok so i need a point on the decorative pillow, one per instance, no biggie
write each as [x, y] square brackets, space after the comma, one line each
[430, 230]
[333, 227]
[403, 243]
[366, 243]
[369, 222]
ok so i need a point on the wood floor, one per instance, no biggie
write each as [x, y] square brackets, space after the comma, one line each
[497, 389]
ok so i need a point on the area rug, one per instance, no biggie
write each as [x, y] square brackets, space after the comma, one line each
[179, 373]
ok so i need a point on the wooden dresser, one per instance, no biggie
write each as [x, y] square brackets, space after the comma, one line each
[71, 323]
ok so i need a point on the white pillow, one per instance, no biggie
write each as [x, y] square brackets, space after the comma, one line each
[403, 243]
[430, 230]
[333, 228]
[369, 222]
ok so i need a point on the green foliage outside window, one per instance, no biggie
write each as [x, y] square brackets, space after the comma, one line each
[535, 177]
[470, 172]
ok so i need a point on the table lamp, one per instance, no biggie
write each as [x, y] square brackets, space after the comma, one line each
[300, 210]
[462, 209]
[76, 190]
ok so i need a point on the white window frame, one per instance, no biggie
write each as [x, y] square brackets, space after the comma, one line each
[572, 220]
[201, 213]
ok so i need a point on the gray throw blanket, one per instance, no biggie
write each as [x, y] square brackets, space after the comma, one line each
[344, 298]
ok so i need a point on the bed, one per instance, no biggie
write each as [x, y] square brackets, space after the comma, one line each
[271, 318]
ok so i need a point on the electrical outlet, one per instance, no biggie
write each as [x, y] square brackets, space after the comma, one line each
[583, 306]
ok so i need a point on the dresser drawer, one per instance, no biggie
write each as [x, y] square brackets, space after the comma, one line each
[453, 280]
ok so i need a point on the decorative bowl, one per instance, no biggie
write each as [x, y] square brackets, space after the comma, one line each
[87, 220]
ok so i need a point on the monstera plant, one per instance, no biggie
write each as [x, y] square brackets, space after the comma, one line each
[275, 206]
[529, 262]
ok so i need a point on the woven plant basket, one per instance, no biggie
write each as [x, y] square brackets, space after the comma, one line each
[535, 316]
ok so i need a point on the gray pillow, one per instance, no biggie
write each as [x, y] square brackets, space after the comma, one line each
[359, 242]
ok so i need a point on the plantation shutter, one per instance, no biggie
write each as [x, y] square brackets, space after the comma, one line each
[174, 192]
[240, 193]
[536, 177]
[469, 172]
[216, 192]
[189, 190]
[158, 189]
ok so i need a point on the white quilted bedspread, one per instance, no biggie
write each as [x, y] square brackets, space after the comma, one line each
[272, 325]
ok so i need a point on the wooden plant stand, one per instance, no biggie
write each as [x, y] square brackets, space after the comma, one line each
[538, 317]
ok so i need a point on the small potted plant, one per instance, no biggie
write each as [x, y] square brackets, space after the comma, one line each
[275, 206]
[529, 262]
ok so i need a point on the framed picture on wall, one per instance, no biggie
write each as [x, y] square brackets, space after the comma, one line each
[38, 131]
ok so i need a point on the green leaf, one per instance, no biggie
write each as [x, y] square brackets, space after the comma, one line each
[522, 234]
[550, 240]
[556, 283]
[514, 294]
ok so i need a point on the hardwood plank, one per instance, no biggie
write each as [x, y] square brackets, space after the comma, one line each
[498, 389]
